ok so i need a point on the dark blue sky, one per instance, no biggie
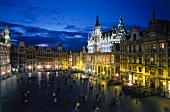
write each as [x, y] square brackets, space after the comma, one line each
[49, 22]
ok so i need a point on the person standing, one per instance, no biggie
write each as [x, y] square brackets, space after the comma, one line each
[77, 106]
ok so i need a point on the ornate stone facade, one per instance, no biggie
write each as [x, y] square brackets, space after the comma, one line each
[103, 55]
[37, 58]
[145, 56]
[5, 66]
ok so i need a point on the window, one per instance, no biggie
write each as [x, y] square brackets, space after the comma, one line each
[152, 72]
[140, 48]
[146, 69]
[134, 59]
[134, 37]
[161, 45]
[129, 58]
[160, 71]
[147, 46]
[140, 69]
[112, 48]
[161, 59]
[168, 43]
[147, 59]
[140, 59]
[134, 48]
[134, 68]
[153, 46]
[152, 58]
[129, 48]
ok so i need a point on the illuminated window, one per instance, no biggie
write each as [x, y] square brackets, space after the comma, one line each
[152, 58]
[147, 46]
[161, 45]
[153, 46]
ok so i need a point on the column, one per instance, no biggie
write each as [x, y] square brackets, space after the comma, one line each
[143, 77]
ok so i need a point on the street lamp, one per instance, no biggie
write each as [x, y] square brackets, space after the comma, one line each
[164, 88]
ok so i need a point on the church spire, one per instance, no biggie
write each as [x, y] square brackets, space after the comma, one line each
[153, 14]
[97, 20]
[120, 25]
[120, 20]
[6, 30]
[6, 27]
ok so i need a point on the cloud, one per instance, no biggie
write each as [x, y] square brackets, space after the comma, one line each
[78, 36]
[44, 37]
[72, 27]
[13, 40]
[28, 12]
[43, 44]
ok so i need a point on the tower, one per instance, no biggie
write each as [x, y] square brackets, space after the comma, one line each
[7, 38]
[120, 25]
[97, 26]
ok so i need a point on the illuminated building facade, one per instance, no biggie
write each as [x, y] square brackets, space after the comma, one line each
[103, 55]
[21, 57]
[14, 58]
[131, 63]
[145, 56]
[83, 59]
[77, 60]
[5, 66]
[37, 58]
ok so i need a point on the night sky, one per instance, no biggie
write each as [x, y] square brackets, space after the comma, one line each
[49, 22]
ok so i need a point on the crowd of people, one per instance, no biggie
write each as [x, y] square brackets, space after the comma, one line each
[139, 91]
[69, 82]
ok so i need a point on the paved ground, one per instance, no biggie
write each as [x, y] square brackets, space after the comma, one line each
[41, 96]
